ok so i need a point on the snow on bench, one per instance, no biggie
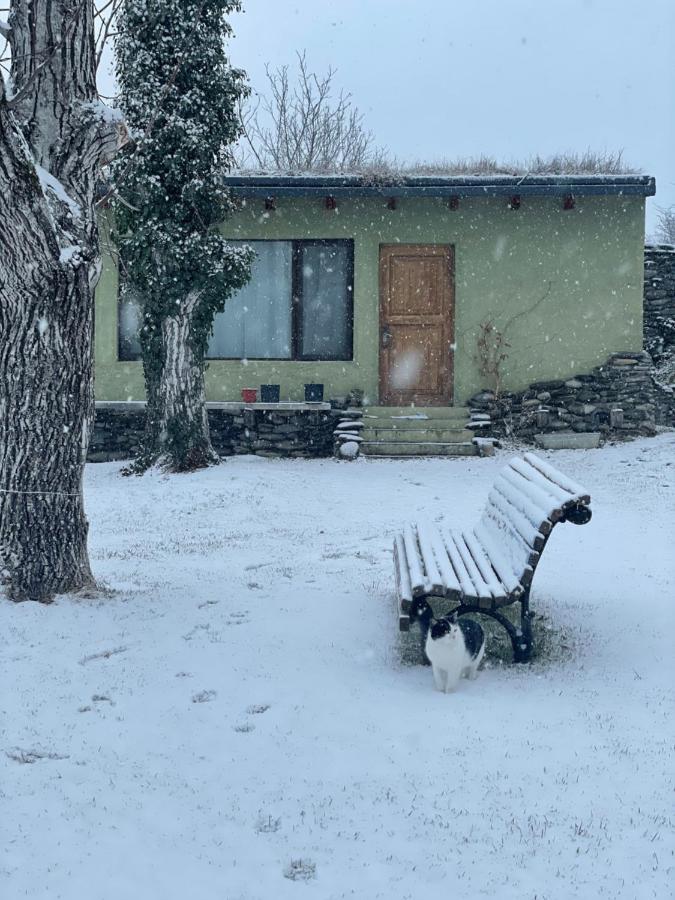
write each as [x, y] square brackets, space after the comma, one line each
[492, 565]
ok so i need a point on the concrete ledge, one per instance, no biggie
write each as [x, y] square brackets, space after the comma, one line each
[569, 440]
[227, 405]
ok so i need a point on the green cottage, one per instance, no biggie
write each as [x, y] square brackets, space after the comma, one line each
[382, 287]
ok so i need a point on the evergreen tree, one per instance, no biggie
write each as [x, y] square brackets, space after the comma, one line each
[180, 96]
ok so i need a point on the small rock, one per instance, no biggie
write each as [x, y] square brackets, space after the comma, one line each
[349, 450]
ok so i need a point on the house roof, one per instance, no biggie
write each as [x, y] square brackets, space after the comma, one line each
[439, 186]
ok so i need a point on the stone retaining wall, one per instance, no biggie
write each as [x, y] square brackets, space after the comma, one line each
[619, 399]
[118, 429]
[659, 305]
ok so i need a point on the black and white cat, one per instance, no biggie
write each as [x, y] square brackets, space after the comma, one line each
[454, 646]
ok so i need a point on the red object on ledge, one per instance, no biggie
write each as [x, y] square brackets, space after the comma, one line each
[249, 395]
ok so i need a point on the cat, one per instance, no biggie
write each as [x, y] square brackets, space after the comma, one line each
[455, 647]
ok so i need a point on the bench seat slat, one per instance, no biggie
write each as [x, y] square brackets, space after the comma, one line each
[451, 585]
[501, 561]
[458, 565]
[481, 590]
[567, 484]
[484, 565]
[419, 582]
[430, 566]
[403, 586]
[547, 505]
[557, 494]
[402, 574]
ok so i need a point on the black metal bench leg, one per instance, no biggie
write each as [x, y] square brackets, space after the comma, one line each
[423, 617]
[522, 639]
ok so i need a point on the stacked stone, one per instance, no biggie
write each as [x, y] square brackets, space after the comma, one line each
[297, 433]
[659, 302]
[619, 399]
[118, 430]
[348, 434]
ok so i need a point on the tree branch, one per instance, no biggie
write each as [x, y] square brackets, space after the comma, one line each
[107, 22]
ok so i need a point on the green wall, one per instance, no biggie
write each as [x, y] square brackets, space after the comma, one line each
[564, 286]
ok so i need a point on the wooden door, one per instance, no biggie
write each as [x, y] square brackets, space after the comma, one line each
[416, 324]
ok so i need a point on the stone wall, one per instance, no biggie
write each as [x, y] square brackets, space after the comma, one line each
[117, 432]
[659, 305]
[619, 399]
[118, 429]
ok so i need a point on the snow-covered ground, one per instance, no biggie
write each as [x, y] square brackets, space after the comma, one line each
[235, 711]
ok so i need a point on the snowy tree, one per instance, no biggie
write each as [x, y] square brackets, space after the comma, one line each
[179, 94]
[303, 127]
[54, 136]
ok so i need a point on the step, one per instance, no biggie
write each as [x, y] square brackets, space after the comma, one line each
[437, 434]
[415, 423]
[401, 448]
[406, 413]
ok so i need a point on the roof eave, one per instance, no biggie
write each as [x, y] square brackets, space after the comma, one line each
[350, 186]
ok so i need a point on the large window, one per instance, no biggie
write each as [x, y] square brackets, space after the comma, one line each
[298, 304]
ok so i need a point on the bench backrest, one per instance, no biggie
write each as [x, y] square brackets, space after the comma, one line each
[528, 498]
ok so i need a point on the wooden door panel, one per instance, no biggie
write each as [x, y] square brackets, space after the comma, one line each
[416, 286]
[415, 360]
[417, 324]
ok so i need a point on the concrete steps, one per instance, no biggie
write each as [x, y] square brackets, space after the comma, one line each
[416, 431]
[399, 448]
[447, 413]
[422, 435]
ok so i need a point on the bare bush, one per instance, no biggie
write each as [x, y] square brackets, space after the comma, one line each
[665, 230]
[492, 353]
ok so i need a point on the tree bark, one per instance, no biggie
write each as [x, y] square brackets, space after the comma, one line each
[177, 426]
[53, 137]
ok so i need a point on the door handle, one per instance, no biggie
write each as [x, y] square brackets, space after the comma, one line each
[385, 337]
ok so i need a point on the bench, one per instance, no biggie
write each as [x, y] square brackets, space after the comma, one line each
[492, 566]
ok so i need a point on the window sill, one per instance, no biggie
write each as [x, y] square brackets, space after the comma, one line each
[282, 406]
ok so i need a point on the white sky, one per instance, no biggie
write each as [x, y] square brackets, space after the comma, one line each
[508, 78]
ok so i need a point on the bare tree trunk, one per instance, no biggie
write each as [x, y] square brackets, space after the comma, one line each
[53, 136]
[177, 428]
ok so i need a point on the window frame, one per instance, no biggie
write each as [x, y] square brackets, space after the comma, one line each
[296, 305]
